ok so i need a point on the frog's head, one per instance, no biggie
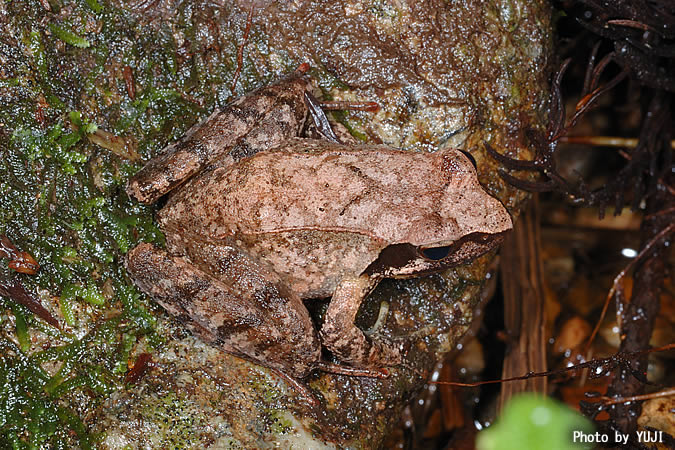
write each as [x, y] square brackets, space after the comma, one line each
[465, 223]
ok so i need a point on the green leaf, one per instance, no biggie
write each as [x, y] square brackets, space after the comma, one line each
[67, 310]
[69, 37]
[534, 422]
[90, 294]
[95, 6]
[21, 329]
[93, 295]
[38, 52]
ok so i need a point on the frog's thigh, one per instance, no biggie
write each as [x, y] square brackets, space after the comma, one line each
[218, 313]
[255, 279]
[344, 339]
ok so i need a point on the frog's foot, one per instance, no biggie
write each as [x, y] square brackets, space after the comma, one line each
[344, 339]
[306, 394]
[321, 127]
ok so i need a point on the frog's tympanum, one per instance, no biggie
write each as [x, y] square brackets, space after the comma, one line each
[259, 219]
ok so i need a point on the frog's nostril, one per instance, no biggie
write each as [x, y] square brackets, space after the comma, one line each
[435, 253]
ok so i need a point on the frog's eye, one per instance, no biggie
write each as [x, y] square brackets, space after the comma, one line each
[435, 253]
[471, 158]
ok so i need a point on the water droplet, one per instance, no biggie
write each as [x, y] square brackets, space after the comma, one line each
[629, 253]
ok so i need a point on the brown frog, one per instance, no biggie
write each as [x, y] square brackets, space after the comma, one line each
[260, 219]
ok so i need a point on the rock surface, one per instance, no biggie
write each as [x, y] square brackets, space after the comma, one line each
[444, 73]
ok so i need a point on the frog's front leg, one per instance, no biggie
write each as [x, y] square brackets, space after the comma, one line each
[344, 339]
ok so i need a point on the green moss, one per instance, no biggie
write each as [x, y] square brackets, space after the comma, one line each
[279, 423]
[29, 416]
[21, 327]
[176, 418]
[62, 199]
[68, 36]
[95, 6]
[37, 50]
[89, 293]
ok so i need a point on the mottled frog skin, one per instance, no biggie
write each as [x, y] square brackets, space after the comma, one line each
[259, 219]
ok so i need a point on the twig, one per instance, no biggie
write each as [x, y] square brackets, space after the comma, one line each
[604, 141]
[596, 364]
[648, 163]
[630, 24]
[524, 313]
[637, 398]
[619, 278]
[351, 106]
[240, 50]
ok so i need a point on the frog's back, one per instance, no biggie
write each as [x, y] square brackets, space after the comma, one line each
[381, 193]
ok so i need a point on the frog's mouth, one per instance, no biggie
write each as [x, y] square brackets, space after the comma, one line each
[407, 260]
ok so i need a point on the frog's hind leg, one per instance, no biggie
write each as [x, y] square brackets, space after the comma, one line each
[271, 114]
[344, 339]
[258, 323]
[235, 267]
